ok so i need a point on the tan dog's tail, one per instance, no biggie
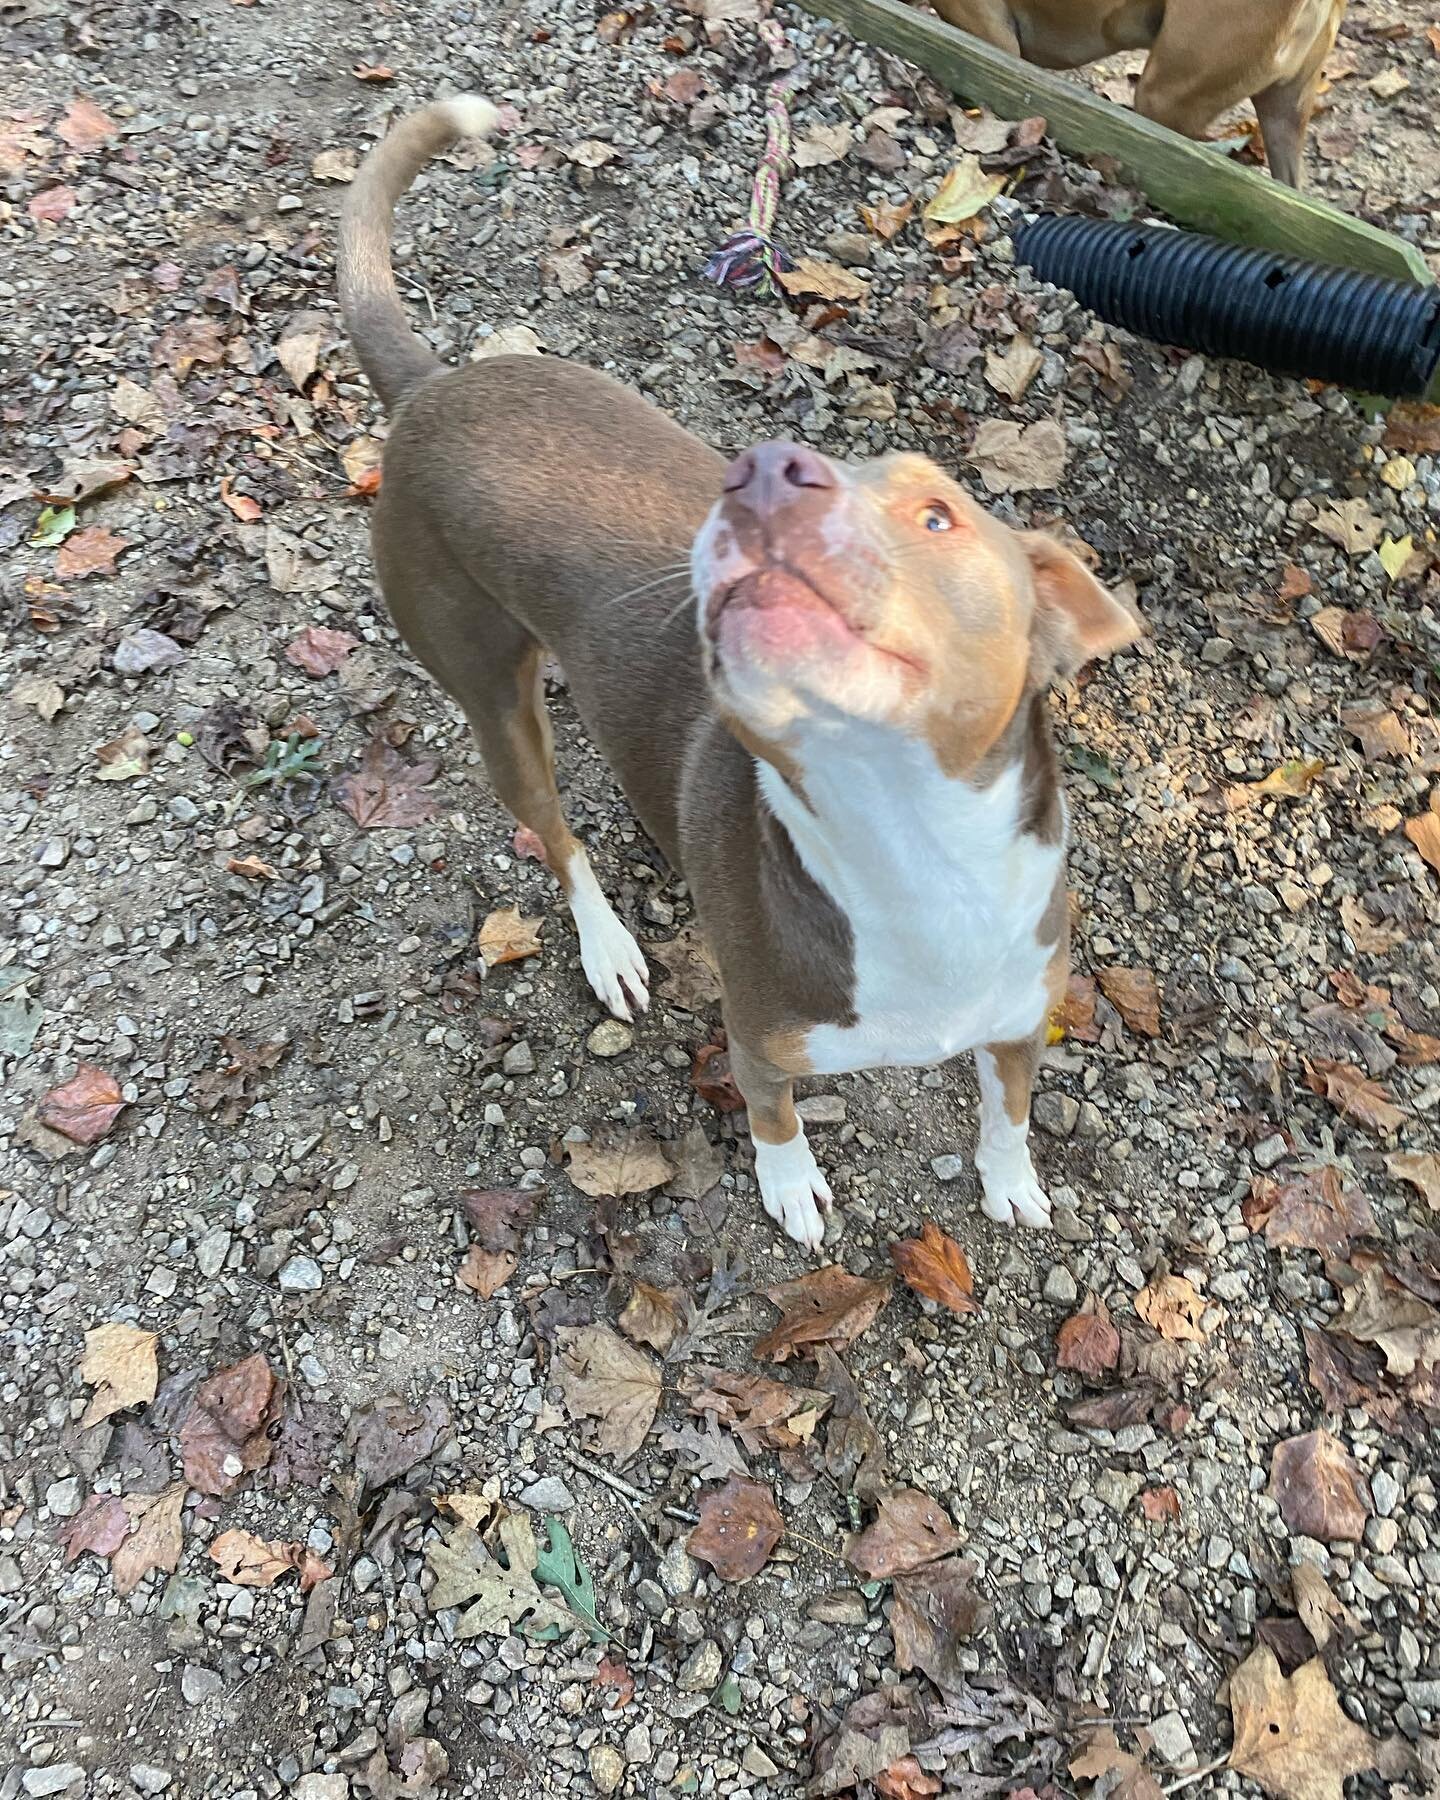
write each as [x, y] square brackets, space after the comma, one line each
[391, 353]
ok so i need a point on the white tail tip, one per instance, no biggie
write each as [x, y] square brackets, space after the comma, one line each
[472, 115]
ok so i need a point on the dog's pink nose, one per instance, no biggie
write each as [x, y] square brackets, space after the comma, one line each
[771, 475]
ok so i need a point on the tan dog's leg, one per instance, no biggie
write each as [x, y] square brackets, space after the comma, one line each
[491, 665]
[988, 20]
[1012, 1191]
[792, 1188]
[1284, 110]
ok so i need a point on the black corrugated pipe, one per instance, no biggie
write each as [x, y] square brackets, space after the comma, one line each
[1200, 293]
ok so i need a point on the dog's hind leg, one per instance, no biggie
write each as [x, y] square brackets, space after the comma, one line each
[491, 665]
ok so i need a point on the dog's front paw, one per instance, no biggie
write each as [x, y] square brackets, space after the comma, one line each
[795, 1193]
[614, 965]
[1012, 1192]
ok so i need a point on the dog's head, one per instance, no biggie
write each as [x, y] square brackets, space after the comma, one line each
[882, 592]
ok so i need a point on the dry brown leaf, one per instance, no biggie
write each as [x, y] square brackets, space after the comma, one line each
[1382, 733]
[1172, 1305]
[693, 982]
[934, 1266]
[155, 1539]
[1015, 459]
[650, 1316]
[102, 1525]
[740, 1525]
[386, 790]
[932, 1612]
[1312, 1210]
[827, 1306]
[614, 1673]
[1319, 1488]
[1352, 634]
[605, 1379]
[51, 204]
[1371, 937]
[1423, 831]
[252, 868]
[1354, 1095]
[1351, 525]
[124, 758]
[1159, 1504]
[505, 937]
[121, 1365]
[1320, 1612]
[1075, 1015]
[1088, 1342]
[1291, 781]
[85, 126]
[1290, 1735]
[90, 551]
[497, 1216]
[485, 1272]
[319, 650]
[334, 165]
[827, 280]
[712, 1080]
[909, 1531]
[822, 145]
[84, 1108]
[225, 1434]
[1421, 1168]
[1011, 372]
[887, 221]
[246, 509]
[631, 1162]
[249, 1561]
[1135, 995]
[763, 1414]
[1379, 1308]
[965, 191]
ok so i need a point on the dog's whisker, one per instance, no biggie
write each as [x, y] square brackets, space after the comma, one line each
[645, 586]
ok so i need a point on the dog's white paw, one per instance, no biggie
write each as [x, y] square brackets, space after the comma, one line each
[1012, 1192]
[795, 1193]
[613, 962]
[614, 965]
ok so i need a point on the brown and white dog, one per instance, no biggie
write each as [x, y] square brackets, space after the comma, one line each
[842, 741]
[1205, 55]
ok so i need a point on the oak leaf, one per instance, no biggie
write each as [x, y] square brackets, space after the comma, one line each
[386, 790]
[1354, 1095]
[1313, 1210]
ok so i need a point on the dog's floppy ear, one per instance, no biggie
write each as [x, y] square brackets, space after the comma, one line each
[1076, 619]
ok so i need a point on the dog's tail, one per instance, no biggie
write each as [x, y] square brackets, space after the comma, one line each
[390, 352]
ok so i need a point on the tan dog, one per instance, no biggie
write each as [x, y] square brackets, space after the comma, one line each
[842, 740]
[1205, 55]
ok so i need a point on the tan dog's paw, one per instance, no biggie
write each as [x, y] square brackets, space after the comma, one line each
[795, 1193]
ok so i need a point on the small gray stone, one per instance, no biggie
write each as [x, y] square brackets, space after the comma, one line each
[1116, 1489]
[638, 1747]
[11, 1578]
[549, 1494]
[842, 1606]
[519, 1059]
[301, 1275]
[1056, 1114]
[607, 1767]
[948, 1168]
[149, 1779]
[1059, 1288]
[54, 1778]
[1270, 1151]
[611, 1037]
[211, 1251]
[756, 1762]
[199, 1684]
[1172, 1740]
[321, 1787]
[677, 1571]
[702, 1669]
[1385, 1490]
[63, 1497]
[822, 1109]
[1091, 1123]
[184, 810]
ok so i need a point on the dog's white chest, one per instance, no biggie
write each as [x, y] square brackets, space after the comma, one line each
[944, 896]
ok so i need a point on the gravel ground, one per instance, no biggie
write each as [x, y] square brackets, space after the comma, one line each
[299, 1064]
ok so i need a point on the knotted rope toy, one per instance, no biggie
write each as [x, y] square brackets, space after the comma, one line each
[751, 259]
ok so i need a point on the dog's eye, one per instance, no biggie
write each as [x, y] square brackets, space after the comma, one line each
[936, 516]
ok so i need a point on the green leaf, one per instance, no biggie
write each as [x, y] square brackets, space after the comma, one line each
[558, 1566]
[729, 1696]
[53, 527]
[1098, 768]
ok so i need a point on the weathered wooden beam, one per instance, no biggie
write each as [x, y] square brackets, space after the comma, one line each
[1191, 182]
